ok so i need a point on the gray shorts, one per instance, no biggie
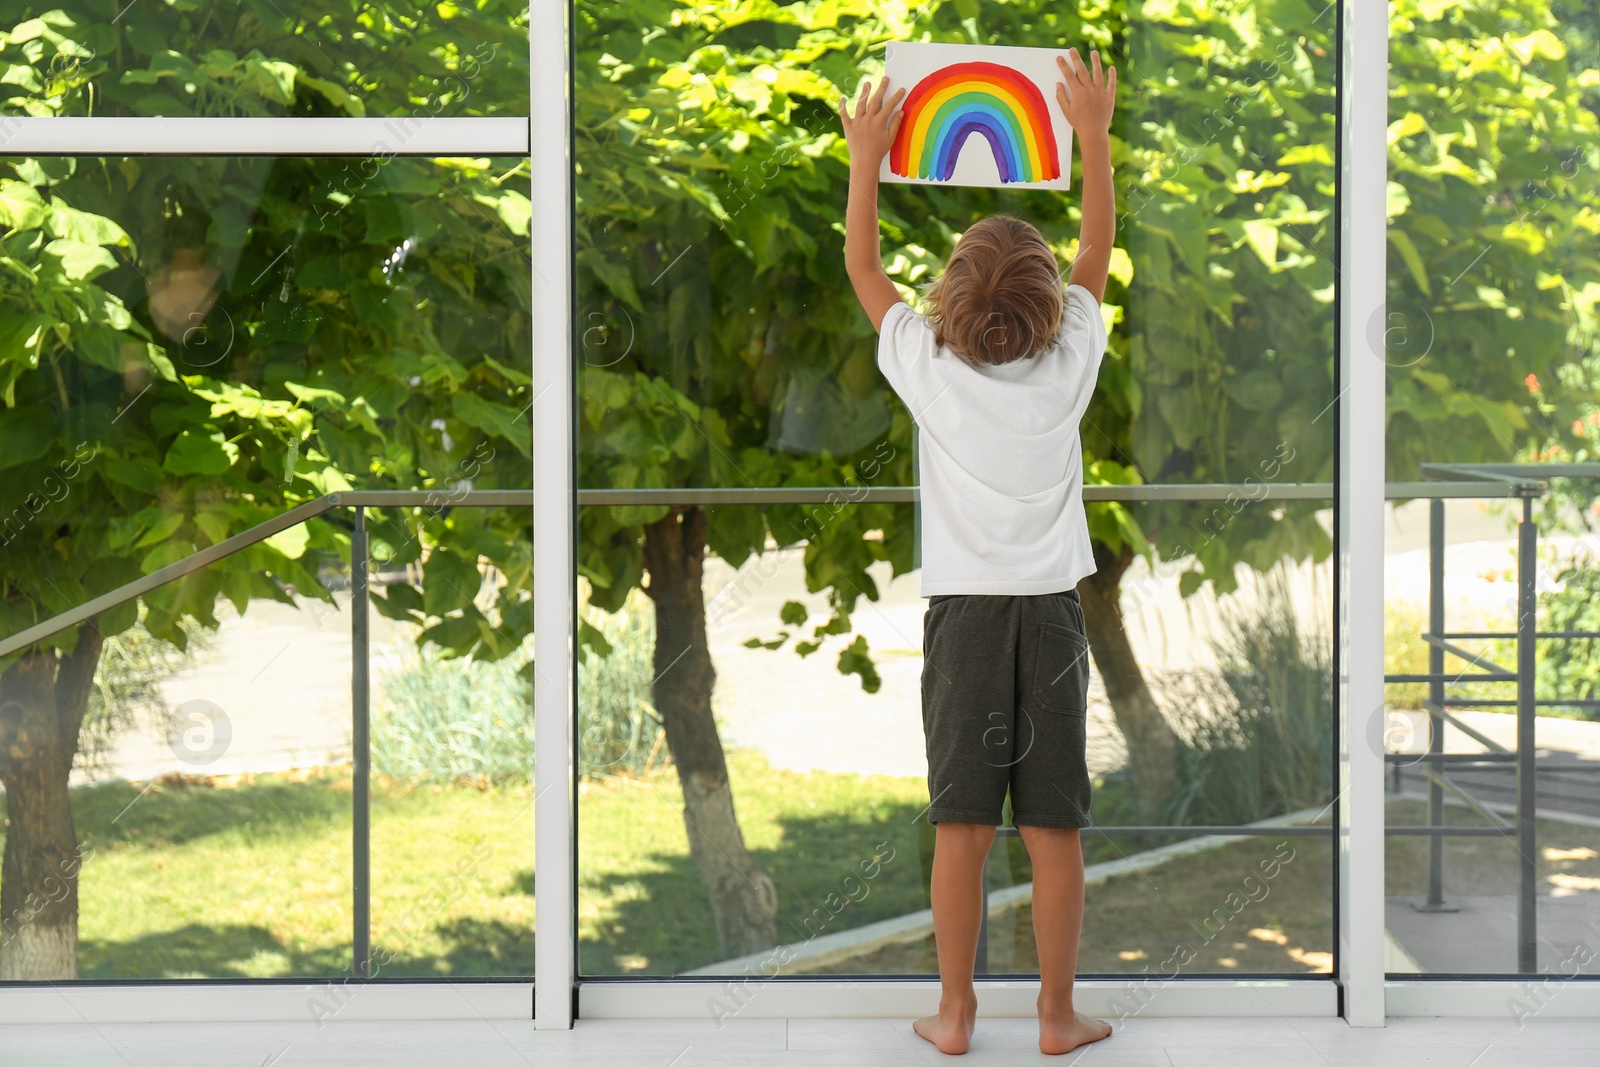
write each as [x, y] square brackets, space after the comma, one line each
[1005, 684]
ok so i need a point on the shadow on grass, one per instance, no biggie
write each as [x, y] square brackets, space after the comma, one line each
[196, 950]
[177, 813]
[248, 826]
[833, 871]
[659, 921]
[480, 948]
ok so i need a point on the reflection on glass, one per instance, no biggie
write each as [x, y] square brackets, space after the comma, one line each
[266, 57]
[1492, 360]
[1461, 905]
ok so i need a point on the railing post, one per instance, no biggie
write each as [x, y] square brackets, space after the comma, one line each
[1527, 798]
[1435, 901]
[360, 692]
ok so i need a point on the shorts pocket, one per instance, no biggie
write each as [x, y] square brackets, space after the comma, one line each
[1061, 673]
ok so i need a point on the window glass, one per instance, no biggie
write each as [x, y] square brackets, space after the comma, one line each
[1490, 345]
[194, 346]
[264, 57]
[737, 798]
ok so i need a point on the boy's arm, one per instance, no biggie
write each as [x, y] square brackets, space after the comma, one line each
[869, 133]
[1087, 97]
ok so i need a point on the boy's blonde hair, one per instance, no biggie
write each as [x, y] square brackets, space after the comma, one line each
[1000, 297]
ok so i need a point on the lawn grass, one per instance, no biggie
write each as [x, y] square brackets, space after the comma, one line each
[641, 906]
[1196, 914]
[250, 876]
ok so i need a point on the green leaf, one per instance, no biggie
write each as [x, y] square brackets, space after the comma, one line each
[399, 602]
[1259, 390]
[272, 78]
[1316, 152]
[793, 613]
[199, 451]
[1263, 238]
[858, 661]
[497, 420]
[161, 530]
[80, 262]
[291, 542]
[117, 620]
[338, 97]
[449, 583]
[514, 209]
[25, 434]
[456, 634]
[1408, 252]
[21, 207]
[142, 474]
[71, 224]
[306, 393]
[1190, 581]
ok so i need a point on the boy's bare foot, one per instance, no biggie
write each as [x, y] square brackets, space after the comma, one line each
[951, 1030]
[1056, 1037]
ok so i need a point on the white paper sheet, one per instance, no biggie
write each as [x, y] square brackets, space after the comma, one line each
[993, 120]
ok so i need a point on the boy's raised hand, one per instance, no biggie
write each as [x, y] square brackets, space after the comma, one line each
[870, 131]
[1086, 96]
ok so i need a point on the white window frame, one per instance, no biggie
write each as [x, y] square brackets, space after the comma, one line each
[1358, 991]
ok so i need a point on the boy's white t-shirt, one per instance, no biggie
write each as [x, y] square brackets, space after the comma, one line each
[1001, 462]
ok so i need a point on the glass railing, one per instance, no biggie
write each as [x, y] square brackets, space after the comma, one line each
[365, 796]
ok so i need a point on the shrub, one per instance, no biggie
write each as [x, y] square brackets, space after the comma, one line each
[466, 721]
[1569, 668]
[618, 730]
[455, 720]
[1257, 740]
[1404, 652]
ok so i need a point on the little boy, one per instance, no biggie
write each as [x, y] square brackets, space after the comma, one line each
[997, 377]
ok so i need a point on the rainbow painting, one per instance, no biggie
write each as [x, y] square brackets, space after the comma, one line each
[977, 115]
[988, 99]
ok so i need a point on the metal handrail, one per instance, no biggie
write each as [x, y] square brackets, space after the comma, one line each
[752, 495]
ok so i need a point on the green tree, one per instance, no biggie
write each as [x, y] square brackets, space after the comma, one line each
[191, 346]
[1494, 210]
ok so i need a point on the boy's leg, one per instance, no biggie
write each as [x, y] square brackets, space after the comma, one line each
[967, 719]
[958, 857]
[1057, 857]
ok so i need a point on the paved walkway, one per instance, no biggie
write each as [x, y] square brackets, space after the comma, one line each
[1481, 936]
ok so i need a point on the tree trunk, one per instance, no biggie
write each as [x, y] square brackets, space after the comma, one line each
[43, 697]
[744, 902]
[1152, 744]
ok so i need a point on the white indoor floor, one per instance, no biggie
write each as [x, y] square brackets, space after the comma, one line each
[782, 1043]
